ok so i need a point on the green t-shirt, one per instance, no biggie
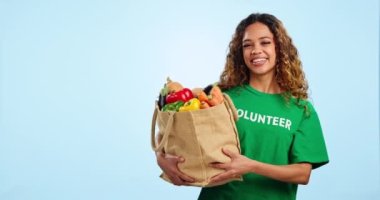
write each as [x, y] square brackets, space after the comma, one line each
[272, 131]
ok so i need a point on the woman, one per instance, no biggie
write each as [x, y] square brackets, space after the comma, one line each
[280, 135]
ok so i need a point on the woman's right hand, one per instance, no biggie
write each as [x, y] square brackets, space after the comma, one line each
[169, 165]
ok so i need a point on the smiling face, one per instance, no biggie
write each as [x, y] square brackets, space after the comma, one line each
[259, 50]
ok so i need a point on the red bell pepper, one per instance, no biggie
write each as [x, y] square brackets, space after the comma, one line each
[183, 95]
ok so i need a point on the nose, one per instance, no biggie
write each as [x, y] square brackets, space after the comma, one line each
[255, 51]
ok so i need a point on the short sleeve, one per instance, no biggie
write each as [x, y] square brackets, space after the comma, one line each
[308, 142]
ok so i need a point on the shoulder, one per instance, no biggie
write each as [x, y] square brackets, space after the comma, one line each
[305, 105]
[234, 91]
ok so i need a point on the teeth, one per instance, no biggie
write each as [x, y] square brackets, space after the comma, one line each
[258, 60]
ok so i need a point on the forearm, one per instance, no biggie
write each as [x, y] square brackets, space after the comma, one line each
[294, 173]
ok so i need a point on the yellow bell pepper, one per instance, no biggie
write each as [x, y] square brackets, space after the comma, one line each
[192, 104]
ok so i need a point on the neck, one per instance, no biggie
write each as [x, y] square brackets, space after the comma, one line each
[266, 84]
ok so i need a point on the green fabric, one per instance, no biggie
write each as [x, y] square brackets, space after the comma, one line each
[272, 131]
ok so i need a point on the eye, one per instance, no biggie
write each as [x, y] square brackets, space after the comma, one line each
[246, 45]
[265, 43]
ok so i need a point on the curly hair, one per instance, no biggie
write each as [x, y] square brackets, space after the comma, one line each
[289, 73]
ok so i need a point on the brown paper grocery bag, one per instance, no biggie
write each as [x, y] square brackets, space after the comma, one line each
[198, 136]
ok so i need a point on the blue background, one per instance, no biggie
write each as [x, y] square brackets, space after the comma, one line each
[78, 81]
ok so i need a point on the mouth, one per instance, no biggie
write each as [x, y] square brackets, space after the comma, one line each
[259, 61]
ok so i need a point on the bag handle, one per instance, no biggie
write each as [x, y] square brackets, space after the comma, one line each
[166, 132]
[233, 116]
[231, 106]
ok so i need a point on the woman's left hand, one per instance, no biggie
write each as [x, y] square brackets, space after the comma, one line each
[238, 166]
[296, 173]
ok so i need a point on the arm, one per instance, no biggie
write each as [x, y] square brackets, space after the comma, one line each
[294, 173]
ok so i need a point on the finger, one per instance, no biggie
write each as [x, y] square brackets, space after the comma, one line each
[176, 159]
[184, 182]
[217, 178]
[182, 175]
[176, 180]
[181, 159]
[170, 156]
[219, 165]
[186, 178]
[223, 176]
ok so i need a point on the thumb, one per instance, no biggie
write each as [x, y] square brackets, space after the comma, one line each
[229, 153]
[174, 157]
[180, 159]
